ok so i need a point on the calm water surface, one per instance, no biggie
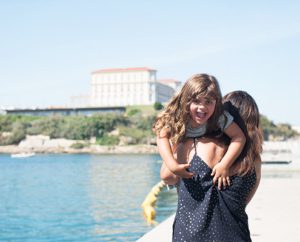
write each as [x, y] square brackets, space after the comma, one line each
[78, 197]
[85, 197]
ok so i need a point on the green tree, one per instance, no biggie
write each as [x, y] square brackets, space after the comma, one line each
[158, 106]
[108, 140]
[18, 132]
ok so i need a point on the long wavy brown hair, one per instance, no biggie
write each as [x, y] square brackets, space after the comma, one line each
[246, 114]
[174, 119]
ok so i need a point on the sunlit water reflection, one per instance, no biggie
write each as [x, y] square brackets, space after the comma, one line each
[78, 197]
[86, 197]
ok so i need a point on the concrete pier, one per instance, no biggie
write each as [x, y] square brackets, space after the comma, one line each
[274, 212]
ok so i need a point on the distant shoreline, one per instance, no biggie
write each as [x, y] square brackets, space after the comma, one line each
[93, 149]
[43, 144]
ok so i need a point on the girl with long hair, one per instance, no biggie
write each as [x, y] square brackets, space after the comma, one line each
[205, 213]
[195, 111]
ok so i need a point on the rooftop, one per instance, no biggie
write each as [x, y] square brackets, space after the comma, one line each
[168, 81]
[131, 69]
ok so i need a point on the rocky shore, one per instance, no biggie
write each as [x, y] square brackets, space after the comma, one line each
[43, 144]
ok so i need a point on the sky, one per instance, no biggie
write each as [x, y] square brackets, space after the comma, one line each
[49, 48]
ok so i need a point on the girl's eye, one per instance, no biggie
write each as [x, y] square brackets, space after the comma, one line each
[204, 101]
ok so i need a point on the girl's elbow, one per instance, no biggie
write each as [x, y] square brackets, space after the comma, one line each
[241, 138]
[238, 137]
[168, 178]
[164, 175]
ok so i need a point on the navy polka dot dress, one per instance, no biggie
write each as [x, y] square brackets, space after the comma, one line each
[207, 214]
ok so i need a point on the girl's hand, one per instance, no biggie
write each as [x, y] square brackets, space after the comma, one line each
[221, 174]
[181, 171]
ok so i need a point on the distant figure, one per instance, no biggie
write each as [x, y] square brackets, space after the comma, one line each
[205, 213]
[195, 111]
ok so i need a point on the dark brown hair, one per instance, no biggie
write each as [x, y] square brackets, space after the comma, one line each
[246, 114]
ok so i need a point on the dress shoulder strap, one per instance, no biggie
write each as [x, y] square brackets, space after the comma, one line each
[195, 143]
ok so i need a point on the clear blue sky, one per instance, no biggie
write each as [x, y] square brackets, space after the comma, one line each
[49, 48]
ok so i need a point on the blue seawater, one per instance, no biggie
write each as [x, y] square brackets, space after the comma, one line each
[63, 197]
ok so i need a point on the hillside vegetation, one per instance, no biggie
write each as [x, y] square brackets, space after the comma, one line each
[132, 127]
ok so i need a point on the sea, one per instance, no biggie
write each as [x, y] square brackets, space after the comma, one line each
[81, 197]
[84, 197]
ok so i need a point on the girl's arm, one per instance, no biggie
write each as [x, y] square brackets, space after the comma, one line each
[166, 154]
[238, 140]
[181, 153]
[236, 145]
[165, 151]
[167, 176]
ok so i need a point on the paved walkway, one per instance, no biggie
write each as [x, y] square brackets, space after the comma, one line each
[274, 212]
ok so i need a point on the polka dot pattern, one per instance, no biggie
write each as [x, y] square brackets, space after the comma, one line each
[207, 214]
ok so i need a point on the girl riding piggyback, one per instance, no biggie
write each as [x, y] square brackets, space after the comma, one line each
[196, 111]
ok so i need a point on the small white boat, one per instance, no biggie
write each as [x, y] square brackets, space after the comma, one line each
[22, 155]
[275, 157]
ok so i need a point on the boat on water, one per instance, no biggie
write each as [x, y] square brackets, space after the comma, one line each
[271, 157]
[22, 155]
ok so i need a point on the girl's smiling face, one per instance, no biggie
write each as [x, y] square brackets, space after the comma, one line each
[201, 109]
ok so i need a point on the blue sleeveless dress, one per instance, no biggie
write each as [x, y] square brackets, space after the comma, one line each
[206, 214]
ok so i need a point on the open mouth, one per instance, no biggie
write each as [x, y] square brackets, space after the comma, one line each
[200, 115]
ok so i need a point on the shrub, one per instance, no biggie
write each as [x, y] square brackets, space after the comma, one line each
[108, 140]
[78, 145]
[145, 123]
[18, 133]
[139, 136]
[158, 106]
[133, 112]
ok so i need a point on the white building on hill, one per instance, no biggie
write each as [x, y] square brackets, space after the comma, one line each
[129, 86]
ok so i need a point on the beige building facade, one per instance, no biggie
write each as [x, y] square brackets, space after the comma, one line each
[129, 86]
